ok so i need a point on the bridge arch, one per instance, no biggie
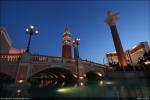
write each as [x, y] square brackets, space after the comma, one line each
[60, 73]
[9, 71]
[38, 68]
[28, 65]
[6, 77]
[94, 74]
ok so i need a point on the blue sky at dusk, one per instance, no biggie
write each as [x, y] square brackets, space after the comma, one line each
[85, 20]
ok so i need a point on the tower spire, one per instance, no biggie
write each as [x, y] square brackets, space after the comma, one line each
[66, 28]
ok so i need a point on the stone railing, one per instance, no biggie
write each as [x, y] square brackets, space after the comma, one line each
[54, 59]
[39, 58]
[90, 63]
[10, 58]
[51, 59]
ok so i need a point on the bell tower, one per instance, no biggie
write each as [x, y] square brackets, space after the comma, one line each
[66, 45]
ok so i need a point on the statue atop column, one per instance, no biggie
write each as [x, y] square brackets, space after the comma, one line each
[112, 19]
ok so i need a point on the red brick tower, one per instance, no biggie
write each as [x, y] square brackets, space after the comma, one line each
[66, 45]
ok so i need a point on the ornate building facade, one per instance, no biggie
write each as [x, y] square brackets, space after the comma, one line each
[6, 44]
[132, 55]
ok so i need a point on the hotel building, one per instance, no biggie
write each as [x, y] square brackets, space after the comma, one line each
[6, 44]
[132, 55]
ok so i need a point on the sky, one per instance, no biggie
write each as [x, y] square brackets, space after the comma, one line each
[85, 20]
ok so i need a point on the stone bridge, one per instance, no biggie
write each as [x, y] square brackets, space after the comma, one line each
[24, 66]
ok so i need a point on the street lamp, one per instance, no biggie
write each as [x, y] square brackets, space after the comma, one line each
[76, 42]
[30, 31]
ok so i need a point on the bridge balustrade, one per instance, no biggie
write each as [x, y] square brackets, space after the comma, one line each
[68, 60]
[51, 59]
[90, 63]
[86, 62]
[55, 59]
[14, 58]
[10, 58]
[41, 58]
[38, 58]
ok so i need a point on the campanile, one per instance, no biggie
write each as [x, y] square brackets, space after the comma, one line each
[66, 45]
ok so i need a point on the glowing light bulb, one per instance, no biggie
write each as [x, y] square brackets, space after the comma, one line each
[36, 32]
[27, 30]
[31, 26]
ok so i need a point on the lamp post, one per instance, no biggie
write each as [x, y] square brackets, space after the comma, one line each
[30, 31]
[76, 42]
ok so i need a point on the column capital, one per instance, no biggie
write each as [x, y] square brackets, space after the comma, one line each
[111, 19]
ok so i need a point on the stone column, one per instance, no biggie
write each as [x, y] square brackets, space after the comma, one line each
[111, 21]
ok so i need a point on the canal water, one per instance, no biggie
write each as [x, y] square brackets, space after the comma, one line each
[99, 88]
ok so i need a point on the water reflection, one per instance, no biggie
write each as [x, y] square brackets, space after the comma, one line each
[100, 88]
[101, 82]
[131, 88]
[81, 83]
[109, 82]
[63, 83]
[65, 90]
[18, 92]
[14, 90]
